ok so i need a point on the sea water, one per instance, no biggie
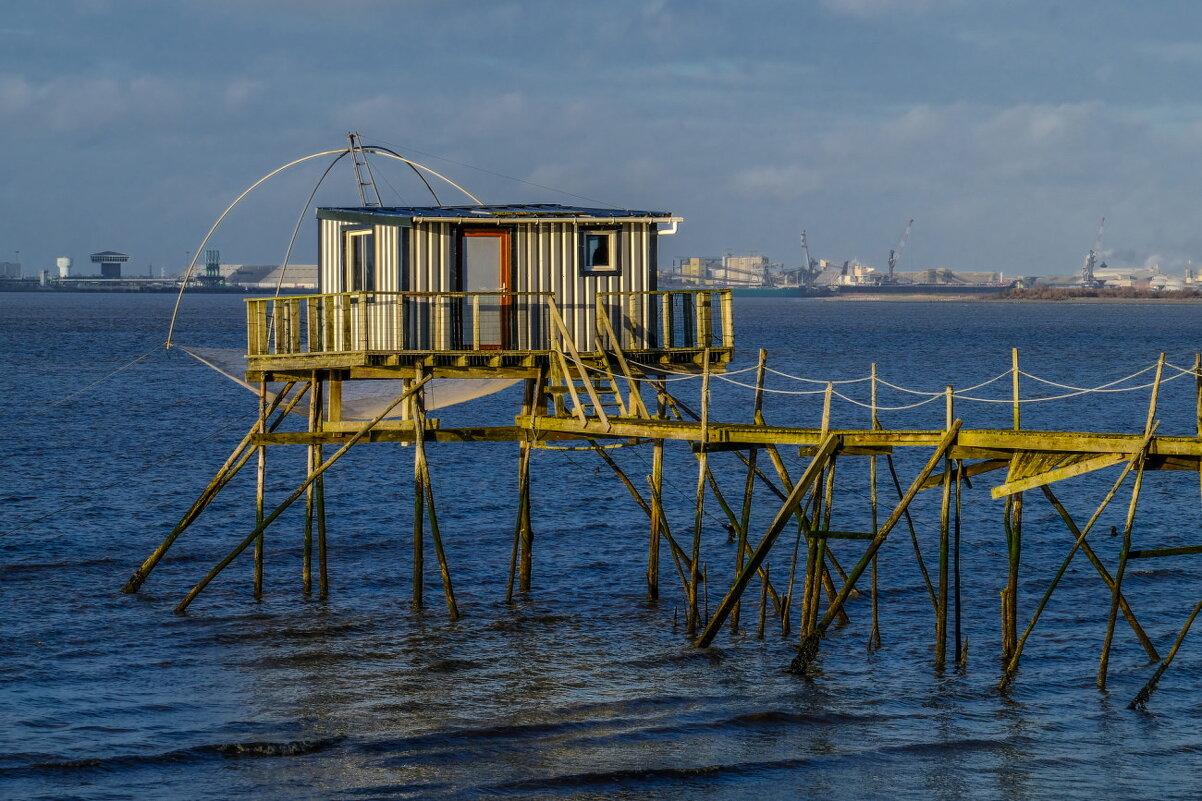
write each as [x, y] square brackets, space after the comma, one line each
[583, 688]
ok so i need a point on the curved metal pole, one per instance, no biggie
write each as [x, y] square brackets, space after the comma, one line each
[386, 151]
[300, 219]
[188, 273]
[192, 266]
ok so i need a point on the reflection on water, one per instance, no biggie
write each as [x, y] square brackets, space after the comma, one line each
[585, 689]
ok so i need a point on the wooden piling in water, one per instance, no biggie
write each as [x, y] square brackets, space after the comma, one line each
[279, 510]
[1034, 460]
[260, 484]
[1149, 426]
[237, 458]
[311, 463]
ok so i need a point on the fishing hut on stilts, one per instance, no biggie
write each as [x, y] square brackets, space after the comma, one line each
[415, 302]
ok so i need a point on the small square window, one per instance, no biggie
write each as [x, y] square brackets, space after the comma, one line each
[599, 252]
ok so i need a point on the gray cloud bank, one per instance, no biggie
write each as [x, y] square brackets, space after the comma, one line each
[1005, 130]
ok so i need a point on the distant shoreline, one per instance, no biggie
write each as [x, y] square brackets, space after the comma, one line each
[1071, 295]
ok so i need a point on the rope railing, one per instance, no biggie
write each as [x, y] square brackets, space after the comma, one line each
[1117, 385]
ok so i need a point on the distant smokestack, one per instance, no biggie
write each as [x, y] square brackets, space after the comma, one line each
[64, 266]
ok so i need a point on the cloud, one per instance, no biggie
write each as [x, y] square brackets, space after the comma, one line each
[865, 9]
[1183, 53]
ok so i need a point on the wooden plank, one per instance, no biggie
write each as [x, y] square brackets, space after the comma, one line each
[469, 434]
[841, 535]
[1152, 553]
[351, 426]
[1077, 468]
[969, 470]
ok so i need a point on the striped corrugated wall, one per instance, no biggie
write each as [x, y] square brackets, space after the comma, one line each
[548, 261]
[331, 276]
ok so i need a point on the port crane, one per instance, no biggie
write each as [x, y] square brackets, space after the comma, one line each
[895, 254]
[810, 271]
[1091, 260]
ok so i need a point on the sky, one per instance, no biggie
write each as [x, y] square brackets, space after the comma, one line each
[1006, 130]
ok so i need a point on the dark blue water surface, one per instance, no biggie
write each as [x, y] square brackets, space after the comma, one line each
[584, 689]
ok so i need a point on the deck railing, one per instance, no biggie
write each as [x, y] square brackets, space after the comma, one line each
[669, 320]
[464, 322]
[350, 322]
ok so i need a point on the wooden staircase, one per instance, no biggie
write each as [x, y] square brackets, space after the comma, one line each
[589, 386]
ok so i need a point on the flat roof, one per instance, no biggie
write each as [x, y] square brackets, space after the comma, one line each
[517, 212]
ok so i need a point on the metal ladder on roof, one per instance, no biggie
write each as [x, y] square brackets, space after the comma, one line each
[369, 195]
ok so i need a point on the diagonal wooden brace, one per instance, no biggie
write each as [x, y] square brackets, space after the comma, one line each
[825, 450]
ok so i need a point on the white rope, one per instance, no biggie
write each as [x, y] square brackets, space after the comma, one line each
[880, 408]
[885, 383]
[1069, 394]
[769, 390]
[1099, 388]
[815, 380]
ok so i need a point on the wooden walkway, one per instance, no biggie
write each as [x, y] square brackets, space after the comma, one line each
[564, 405]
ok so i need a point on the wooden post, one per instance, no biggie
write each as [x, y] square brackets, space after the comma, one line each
[444, 568]
[763, 603]
[1128, 613]
[874, 634]
[1145, 694]
[922, 566]
[323, 577]
[260, 484]
[1136, 460]
[279, 510]
[783, 515]
[236, 460]
[1014, 534]
[311, 463]
[657, 506]
[419, 498]
[809, 647]
[1149, 426]
[961, 653]
[1015, 388]
[944, 550]
[692, 619]
[749, 483]
[524, 531]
